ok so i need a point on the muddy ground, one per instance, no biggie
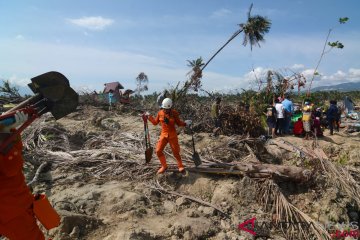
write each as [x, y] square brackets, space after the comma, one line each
[94, 206]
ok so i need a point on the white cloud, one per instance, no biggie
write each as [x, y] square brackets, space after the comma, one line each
[257, 73]
[19, 37]
[353, 75]
[225, 83]
[221, 13]
[22, 82]
[297, 66]
[308, 73]
[88, 66]
[92, 23]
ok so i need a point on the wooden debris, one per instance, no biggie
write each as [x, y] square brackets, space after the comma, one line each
[160, 188]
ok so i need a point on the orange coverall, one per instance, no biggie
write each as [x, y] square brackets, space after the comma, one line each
[17, 220]
[168, 135]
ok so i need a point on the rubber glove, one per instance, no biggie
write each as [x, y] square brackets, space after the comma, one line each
[20, 118]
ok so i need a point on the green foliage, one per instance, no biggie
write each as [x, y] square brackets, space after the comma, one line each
[258, 102]
[8, 90]
[196, 63]
[255, 29]
[142, 81]
[336, 44]
[194, 81]
[332, 45]
[343, 20]
[343, 158]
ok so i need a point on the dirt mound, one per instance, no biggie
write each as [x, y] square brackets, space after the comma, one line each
[97, 180]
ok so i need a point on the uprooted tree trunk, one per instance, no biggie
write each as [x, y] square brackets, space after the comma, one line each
[260, 170]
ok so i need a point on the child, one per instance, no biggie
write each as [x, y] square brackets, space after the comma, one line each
[298, 127]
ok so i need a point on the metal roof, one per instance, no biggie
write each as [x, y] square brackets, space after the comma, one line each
[112, 86]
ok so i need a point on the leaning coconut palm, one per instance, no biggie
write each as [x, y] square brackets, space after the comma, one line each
[254, 30]
[195, 73]
[193, 83]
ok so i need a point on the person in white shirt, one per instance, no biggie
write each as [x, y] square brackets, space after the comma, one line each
[280, 117]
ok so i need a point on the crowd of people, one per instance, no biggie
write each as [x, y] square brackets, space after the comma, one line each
[283, 118]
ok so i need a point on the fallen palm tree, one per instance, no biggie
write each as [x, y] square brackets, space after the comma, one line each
[119, 155]
[304, 227]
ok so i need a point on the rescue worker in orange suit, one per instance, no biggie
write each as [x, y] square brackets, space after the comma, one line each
[17, 220]
[168, 117]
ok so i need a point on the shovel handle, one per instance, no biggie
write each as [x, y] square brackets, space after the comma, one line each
[146, 129]
[25, 103]
[145, 118]
[146, 144]
[148, 133]
[8, 118]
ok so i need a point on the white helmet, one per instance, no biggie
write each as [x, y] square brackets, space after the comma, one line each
[167, 103]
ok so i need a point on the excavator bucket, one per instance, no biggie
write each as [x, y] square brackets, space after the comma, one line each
[50, 85]
[67, 104]
[52, 94]
[55, 87]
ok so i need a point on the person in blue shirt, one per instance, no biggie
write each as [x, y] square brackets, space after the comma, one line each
[289, 109]
[111, 98]
[332, 115]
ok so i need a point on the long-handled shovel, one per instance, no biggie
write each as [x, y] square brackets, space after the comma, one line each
[195, 156]
[52, 94]
[149, 149]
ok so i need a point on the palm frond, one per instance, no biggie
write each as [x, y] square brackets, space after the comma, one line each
[254, 30]
[249, 12]
[271, 196]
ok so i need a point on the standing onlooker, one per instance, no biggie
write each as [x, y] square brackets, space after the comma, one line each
[111, 99]
[318, 113]
[289, 109]
[271, 120]
[307, 120]
[332, 116]
[338, 119]
[215, 113]
[298, 127]
[317, 127]
[280, 116]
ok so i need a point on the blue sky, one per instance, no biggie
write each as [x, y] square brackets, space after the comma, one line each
[97, 41]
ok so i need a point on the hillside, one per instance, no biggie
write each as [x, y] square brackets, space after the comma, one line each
[342, 87]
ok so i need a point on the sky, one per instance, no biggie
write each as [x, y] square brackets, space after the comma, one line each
[93, 42]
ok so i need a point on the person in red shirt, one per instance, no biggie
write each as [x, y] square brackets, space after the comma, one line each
[317, 127]
[168, 117]
[17, 220]
[298, 127]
